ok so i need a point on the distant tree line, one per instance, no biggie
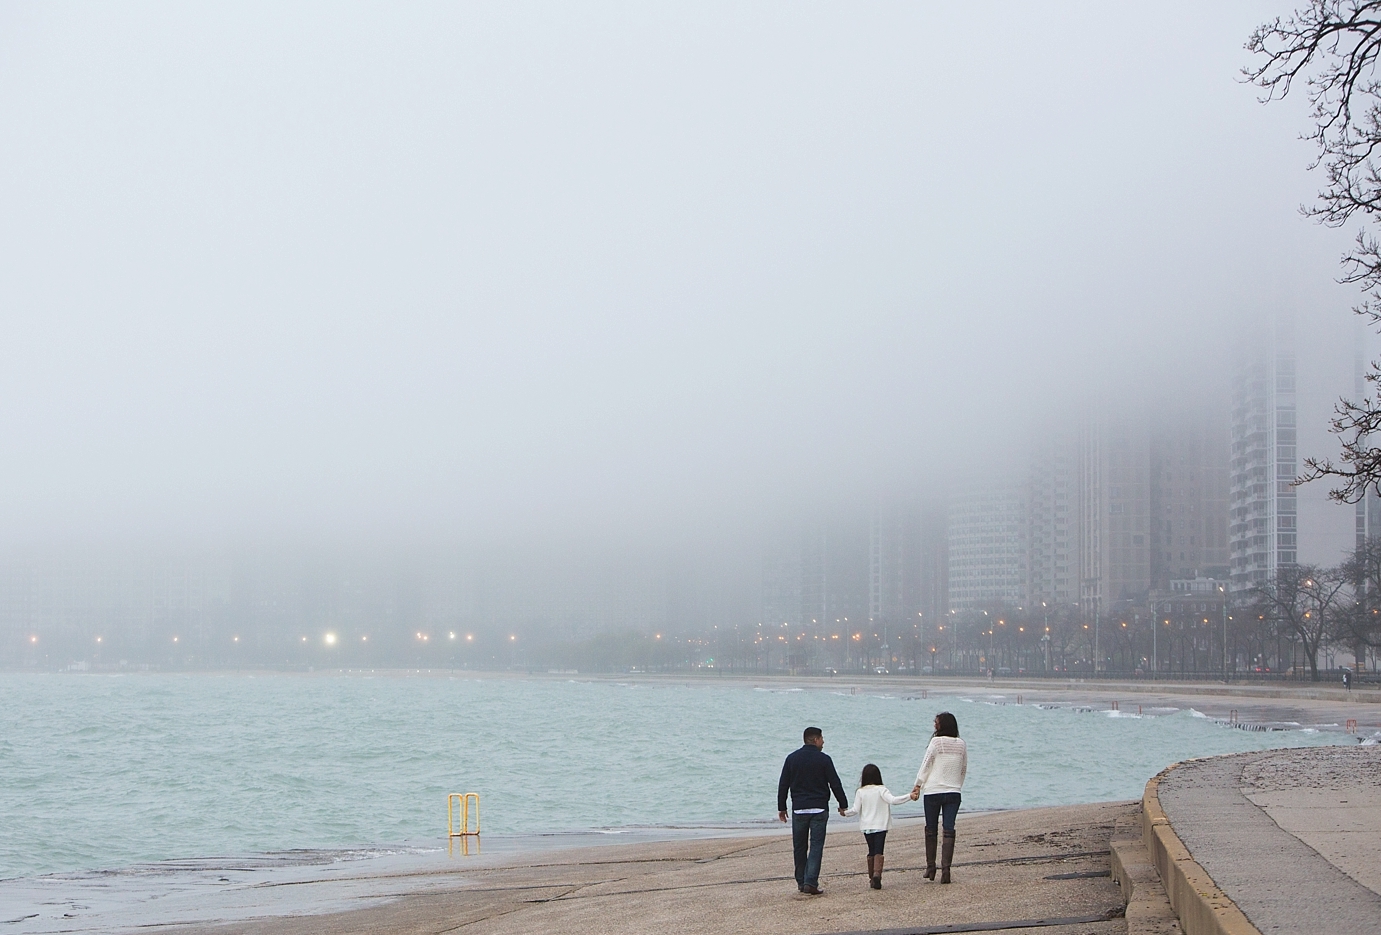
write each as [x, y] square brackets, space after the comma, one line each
[1287, 627]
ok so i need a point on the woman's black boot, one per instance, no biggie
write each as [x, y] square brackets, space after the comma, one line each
[946, 855]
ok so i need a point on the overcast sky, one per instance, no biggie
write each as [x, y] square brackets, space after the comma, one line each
[478, 271]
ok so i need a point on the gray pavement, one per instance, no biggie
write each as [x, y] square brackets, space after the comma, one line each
[1288, 835]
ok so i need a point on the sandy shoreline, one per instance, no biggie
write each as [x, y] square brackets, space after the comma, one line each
[1034, 864]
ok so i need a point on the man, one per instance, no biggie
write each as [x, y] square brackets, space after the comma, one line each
[808, 774]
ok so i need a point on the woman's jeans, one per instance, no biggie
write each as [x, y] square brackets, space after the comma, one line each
[946, 802]
[808, 843]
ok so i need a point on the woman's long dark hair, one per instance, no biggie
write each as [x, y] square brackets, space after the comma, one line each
[945, 725]
[872, 776]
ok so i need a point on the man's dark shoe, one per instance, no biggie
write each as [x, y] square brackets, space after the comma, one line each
[814, 891]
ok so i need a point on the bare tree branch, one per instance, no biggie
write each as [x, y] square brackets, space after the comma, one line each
[1333, 45]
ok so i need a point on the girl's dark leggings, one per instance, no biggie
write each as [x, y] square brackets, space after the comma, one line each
[875, 841]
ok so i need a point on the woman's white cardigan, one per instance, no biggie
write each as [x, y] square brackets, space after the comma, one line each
[945, 764]
[873, 806]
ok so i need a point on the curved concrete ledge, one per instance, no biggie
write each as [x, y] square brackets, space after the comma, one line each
[1202, 907]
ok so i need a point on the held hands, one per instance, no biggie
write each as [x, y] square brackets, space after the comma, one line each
[841, 814]
[781, 816]
[915, 793]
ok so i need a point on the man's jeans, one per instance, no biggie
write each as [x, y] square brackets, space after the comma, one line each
[808, 842]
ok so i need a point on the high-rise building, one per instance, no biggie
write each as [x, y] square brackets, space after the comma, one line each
[1052, 500]
[834, 572]
[887, 568]
[928, 559]
[1189, 497]
[1262, 514]
[1115, 506]
[987, 550]
[781, 581]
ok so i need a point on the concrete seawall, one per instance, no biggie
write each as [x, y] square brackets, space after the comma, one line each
[1279, 841]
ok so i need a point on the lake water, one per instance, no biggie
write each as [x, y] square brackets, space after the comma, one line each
[102, 772]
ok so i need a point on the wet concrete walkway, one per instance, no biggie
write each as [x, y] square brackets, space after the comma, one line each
[1291, 836]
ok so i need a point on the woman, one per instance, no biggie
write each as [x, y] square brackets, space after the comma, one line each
[940, 779]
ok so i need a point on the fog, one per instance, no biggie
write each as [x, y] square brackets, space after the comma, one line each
[552, 279]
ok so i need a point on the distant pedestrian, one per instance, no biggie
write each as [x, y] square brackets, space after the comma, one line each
[873, 805]
[941, 777]
[1347, 680]
[809, 775]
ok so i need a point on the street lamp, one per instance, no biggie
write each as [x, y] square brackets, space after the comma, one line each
[1223, 599]
[1155, 631]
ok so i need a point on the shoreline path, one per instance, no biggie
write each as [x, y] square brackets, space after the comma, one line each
[1289, 837]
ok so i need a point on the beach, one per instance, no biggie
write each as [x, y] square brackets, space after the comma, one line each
[1029, 865]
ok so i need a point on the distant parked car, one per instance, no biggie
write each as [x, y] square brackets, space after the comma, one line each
[831, 670]
[879, 670]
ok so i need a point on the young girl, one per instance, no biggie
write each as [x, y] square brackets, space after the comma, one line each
[873, 804]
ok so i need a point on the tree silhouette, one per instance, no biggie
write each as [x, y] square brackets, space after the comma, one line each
[1332, 45]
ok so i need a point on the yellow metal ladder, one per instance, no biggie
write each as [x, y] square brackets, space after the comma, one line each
[464, 824]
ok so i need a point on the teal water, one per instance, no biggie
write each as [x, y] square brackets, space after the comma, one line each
[107, 771]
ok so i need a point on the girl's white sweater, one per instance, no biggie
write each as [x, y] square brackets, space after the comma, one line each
[945, 764]
[873, 806]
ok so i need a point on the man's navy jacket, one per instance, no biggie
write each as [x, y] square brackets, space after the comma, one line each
[809, 774]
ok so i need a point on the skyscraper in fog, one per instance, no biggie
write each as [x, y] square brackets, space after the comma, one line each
[987, 548]
[834, 571]
[1115, 506]
[1052, 499]
[887, 567]
[1189, 496]
[1262, 514]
